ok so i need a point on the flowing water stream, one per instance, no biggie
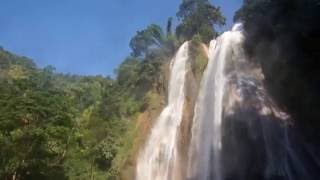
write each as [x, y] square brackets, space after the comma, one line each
[205, 147]
[237, 130]
[157, 161]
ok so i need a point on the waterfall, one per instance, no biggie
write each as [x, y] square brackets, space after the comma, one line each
[158, 159]
[205, 148]
[237, 129]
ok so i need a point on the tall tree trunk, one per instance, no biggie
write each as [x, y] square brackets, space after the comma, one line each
[91, 171]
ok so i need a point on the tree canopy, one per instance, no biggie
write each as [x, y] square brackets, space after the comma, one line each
[145, 40]
[198, 17]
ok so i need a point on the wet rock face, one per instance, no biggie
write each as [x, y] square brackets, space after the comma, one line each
[284, 35]
[253, 131]
[259, 140]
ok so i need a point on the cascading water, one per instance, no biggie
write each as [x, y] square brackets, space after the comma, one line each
[237, 130]
[205, 147]
[158, 161]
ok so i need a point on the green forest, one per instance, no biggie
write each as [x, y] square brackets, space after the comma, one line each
[65, 126]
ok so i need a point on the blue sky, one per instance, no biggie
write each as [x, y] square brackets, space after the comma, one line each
[87, 37]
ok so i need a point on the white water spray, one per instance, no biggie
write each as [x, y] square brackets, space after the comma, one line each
[205, 148]
[158, 160]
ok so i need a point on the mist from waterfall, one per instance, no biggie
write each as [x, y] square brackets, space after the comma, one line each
[157, 161]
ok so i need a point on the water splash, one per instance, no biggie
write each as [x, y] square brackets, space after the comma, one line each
[205, 148]
[158, 160]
